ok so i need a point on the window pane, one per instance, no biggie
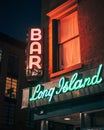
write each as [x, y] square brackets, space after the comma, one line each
[11, 86]
[69, 53]
[13, 65]
[68, 27]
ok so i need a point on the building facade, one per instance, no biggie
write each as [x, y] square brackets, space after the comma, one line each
[12, 80]
[70, 93]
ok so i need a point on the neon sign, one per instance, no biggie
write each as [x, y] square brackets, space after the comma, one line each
[34, 50]
[75, 83]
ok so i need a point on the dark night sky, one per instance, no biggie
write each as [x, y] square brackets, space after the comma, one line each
[17, 16]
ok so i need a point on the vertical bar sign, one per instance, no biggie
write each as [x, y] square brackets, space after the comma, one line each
[34, 57]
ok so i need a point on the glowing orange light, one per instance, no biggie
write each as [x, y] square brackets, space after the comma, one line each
[68, 38]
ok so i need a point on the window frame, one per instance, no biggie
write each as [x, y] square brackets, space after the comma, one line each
[13, 69]
[58, 13]
[11, 87]
[11, 81]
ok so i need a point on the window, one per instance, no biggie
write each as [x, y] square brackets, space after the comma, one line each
[69, 46]
[11, 86]
[13, 64]
[64, 41]
[8, 117]
[12, 76]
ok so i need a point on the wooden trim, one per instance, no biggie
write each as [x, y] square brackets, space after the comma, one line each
[63, 8]
[79, 65]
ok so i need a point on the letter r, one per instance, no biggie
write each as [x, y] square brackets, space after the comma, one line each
[36, 63]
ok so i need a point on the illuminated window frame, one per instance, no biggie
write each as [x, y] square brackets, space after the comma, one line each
[11, 87]
[58, 13]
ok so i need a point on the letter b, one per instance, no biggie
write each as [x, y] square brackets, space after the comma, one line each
[36, 34]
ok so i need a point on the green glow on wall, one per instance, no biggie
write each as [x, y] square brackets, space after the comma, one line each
[75, 83]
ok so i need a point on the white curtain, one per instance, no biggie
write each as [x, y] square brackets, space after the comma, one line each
[68, 27]
[70, 53]
[69, 45]
[25, 98]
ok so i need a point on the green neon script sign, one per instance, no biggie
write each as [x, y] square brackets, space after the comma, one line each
[74, 83]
